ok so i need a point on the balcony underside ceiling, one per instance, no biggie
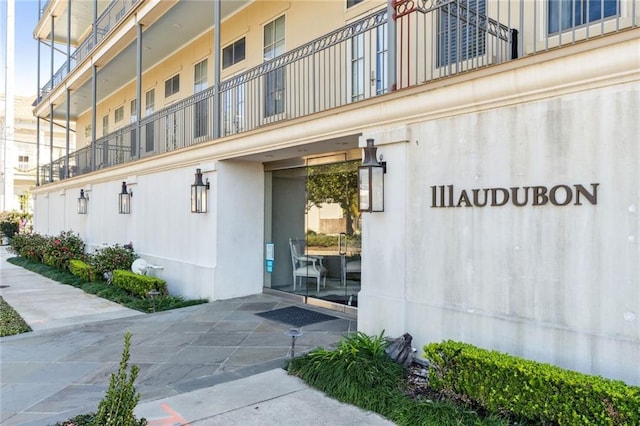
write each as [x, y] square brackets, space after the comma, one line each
[81, 19]
[181, 24]
[319, 152]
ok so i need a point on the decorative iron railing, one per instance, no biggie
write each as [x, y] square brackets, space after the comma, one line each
[114, 12]
[433, 39]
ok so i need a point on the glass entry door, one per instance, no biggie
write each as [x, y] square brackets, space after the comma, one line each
[315, 229]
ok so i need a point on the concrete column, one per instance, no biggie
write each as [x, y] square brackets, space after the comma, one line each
[216, 70]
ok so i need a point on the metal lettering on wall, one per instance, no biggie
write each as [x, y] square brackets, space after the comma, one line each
[558, 195]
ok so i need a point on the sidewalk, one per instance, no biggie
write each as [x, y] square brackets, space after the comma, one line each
[212, 364]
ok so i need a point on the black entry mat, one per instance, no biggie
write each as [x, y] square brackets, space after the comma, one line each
[295, 316]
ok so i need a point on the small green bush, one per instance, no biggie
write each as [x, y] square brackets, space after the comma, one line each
[116, 409]
[539, 392]
[323, 240]
[82, 270]
[137, 284]
[109, 259]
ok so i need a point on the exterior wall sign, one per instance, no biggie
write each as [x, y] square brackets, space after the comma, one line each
[558, 195]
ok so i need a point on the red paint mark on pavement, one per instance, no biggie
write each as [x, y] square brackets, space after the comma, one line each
[174, 419]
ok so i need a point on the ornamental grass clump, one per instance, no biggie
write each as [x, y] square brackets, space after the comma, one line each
[358, 372]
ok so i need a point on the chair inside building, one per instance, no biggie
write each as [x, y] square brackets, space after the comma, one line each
[306, 266]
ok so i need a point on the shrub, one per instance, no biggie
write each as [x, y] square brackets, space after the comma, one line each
[29, 246]
[539, 392]
[358, 371]
[323, 240]
[11, 322]
[137, 284]
[61, 249]
[82, 270]
[109, 259]
[116, 409]
[12, 222]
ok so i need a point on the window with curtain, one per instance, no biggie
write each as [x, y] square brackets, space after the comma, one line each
[565, 14]
[459, 37]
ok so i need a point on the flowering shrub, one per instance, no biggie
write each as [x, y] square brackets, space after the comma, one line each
[29, 246]
[61, 249]
[111, 258]
[13, 222]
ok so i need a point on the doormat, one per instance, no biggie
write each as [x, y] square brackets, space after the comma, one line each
[295, 316]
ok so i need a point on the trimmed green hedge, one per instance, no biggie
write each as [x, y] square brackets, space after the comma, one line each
[82, 270]
[138, 284]
[529, 389]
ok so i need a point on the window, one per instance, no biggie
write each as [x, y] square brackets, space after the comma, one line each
[382, 53]
[87, 131]
[357, 67]
[150, 98]
[274, 80]
[200, 108]
[233, 110]
[105, 125]
[200, 76]
[119, 114]
[23, 162]
[564, 14]
[233, 53]
[352, 3]
[172, 86]
[134, 130]
[459, 38]
[149, 101]
[134, 110]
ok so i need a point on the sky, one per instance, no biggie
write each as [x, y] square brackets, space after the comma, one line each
[26, 49]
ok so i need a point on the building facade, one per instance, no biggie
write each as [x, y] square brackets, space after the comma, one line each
[508, 130]
[19, 151]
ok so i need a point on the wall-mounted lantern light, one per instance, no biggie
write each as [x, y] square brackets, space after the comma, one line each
[199, 194]
[82, 203]
[124, 200]
[371, 181]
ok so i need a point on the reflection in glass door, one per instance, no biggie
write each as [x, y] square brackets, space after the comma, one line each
[316, 232]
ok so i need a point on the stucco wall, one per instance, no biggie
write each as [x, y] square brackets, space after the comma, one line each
[559, 284]
[198, 252]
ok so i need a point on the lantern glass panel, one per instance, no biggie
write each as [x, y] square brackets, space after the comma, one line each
[125, 204]
[82, 206]
[364, 194]
[377, 189]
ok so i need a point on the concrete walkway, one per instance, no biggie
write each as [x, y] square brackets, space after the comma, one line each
[212, 364]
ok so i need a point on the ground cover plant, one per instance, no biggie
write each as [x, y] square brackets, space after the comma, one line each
[10, 321]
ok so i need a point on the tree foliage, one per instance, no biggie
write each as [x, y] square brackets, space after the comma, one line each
[335, 183]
